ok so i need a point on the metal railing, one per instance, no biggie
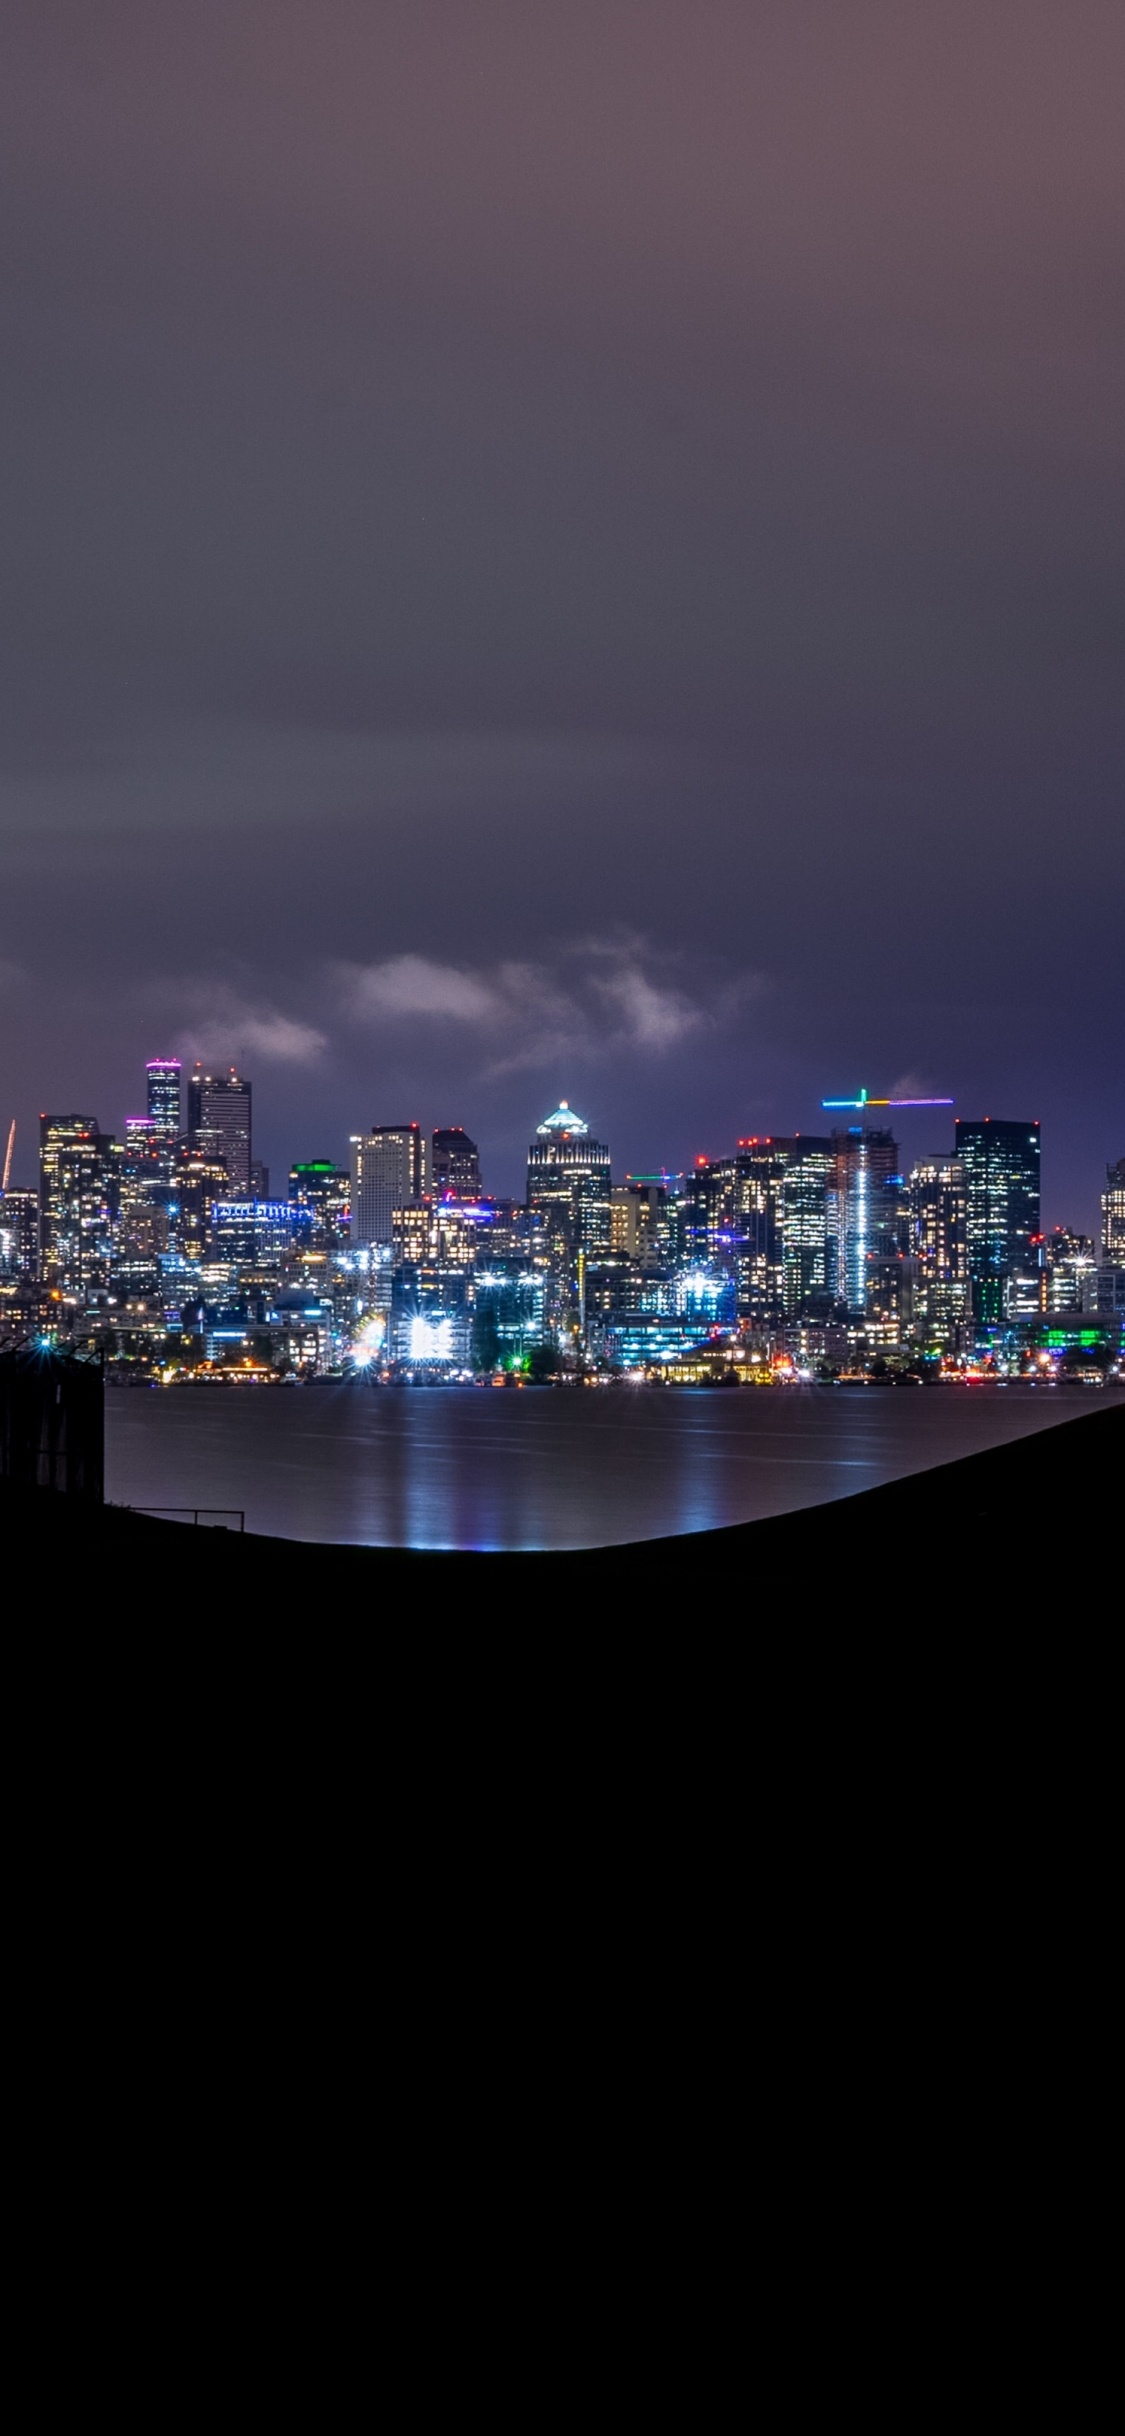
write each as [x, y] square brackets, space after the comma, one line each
[195, 1512]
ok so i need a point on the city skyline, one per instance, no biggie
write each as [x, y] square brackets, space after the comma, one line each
[163, 1251]
[920, 1123]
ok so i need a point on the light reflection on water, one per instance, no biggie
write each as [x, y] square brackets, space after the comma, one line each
[469, 1467]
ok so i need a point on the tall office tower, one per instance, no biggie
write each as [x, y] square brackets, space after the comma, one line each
[164, 1100]
[1113, 1217]
[75, 1215]
[761, 1166]
[1001, 1167]
[939, 1247]
[862, 1209]
[568, 1181]
[218, 1124]
[388, 1173]
[139, 1197]
[19, 1234]
[709, 1216]
[326, 1190]
[624, 1220]
[640, 1219]
[804, 1223]
[198, 1182]
[456, 1163]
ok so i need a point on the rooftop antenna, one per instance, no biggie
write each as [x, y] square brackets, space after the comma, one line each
[8, 1156]
[865, 1101]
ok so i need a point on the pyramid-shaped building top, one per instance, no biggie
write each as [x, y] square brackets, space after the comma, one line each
[565, 1120]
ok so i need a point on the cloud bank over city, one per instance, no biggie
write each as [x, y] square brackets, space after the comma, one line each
[597, 999]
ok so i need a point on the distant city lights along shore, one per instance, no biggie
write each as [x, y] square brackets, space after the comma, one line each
[784, 1258]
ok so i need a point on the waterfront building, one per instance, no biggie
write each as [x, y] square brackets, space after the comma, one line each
[814, 1344]
[219, 1124]
[509, 1301]
[455, 1163]
[1000, 1161]
[648, 1339]
[388, 1173]
[1113, 1216]
[431, 1317]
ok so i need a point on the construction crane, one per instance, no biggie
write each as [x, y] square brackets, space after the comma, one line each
[865, 1101]
[8, 1156]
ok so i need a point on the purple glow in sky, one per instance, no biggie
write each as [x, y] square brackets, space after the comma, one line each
[566, 549]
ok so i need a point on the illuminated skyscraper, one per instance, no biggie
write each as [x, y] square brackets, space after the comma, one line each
[709, 1221]
[1000, 1159]
[143, 1143]
[1113, 1217]
[1069, 1262]
[939, 1251]
[643, 1221]
[861, 1209]
[456, 1163]
[75, 1222]
[164, 1100]
[568, 1180]
[219, 1125]
[197, 1182]
[19, 1234]
[804, 1223]
[327, 1190]
[388, 1173]
[761, 1167]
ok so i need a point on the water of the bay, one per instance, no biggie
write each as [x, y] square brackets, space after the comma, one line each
[485, 1467]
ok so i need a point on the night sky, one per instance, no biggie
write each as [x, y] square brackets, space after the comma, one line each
[566, 549]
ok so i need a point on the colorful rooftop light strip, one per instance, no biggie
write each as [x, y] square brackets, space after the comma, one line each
[865, 1101]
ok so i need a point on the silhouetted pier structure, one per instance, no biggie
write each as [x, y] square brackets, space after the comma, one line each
[52, 1422]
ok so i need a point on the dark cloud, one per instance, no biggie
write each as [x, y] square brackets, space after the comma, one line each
[484, 478]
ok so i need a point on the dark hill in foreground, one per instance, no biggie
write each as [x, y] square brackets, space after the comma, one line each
[1057, 1495]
